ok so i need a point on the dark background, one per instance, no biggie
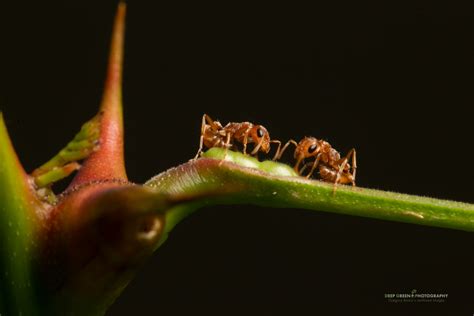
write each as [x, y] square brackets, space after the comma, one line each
[393, 80]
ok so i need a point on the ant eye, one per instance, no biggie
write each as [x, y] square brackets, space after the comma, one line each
[259, 132]
[312, 148]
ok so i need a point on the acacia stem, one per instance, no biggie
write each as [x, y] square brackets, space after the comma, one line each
[225, 182]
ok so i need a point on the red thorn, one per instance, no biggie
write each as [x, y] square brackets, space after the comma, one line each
[108, 161]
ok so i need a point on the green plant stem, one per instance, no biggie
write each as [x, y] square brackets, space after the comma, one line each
[226, 182]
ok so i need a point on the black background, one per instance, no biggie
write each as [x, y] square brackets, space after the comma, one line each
[394, 80]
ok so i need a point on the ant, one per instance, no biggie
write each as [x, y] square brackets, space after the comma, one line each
[332, 168]
[213, 134]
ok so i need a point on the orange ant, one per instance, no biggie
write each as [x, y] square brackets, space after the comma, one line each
[213, 134]
[332, 168]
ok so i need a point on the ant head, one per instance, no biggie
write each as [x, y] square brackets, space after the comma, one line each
[261, 138]
[307, 147]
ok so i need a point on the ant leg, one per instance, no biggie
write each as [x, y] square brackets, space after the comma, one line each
[353, 166]
[345, 161]
[342, 166]
[213, 124]
[205, 117]
[255, 150]
[291, 141]
[278, 149]
[246, 139]
[306, 165]
[315, 164]
[297, 165]
[227, 144]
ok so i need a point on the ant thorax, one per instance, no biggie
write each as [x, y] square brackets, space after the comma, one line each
[238, 130]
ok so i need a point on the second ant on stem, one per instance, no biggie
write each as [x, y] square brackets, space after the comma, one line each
[332, 168]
